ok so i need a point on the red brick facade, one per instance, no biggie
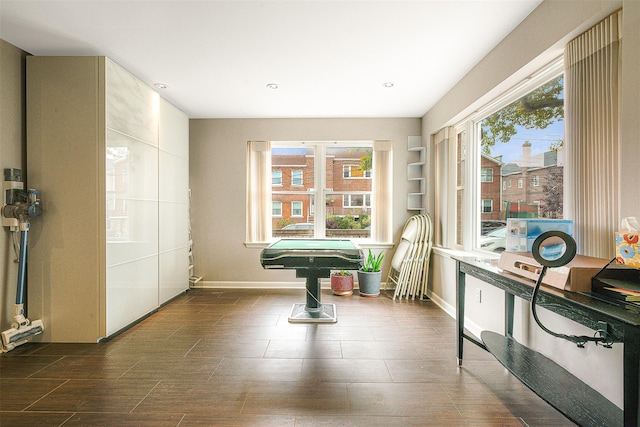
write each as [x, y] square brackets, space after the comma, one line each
[491, 182]
[343, 173]
[529, 187]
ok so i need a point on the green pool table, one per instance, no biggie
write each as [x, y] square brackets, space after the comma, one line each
[312, 259]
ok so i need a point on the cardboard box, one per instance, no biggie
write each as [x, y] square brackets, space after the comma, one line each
[574, 277]
[522, 232]
[628, 248]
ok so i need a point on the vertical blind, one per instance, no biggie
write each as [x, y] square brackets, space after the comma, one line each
[442, 170]
[592, 104]
[381, 228]
[258, 191]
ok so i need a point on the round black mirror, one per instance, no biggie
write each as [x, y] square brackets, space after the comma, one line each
[554, 248]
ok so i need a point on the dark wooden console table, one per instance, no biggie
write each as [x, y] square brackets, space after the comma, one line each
[582, 405]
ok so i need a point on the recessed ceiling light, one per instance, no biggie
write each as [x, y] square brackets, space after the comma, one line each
[388, 84]
[160, 86]
[272, 86]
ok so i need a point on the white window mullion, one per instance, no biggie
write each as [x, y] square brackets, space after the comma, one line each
[320, 182]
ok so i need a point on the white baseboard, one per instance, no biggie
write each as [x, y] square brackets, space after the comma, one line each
[469, 325]
[215, 284]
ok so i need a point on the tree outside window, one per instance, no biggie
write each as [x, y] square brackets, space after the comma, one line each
[526, 139]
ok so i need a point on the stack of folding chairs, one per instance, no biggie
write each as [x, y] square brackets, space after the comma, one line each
[410, 264]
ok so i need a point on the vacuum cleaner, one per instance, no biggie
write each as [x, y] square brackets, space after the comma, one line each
[19, 206]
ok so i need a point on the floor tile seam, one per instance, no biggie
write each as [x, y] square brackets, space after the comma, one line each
[451, 402]
[45, 367]
[145, 396]
[191, 348]
[140, 360]
[71, 415]
[46, 394]
[34, 352]
[213, 373]
[184, 415]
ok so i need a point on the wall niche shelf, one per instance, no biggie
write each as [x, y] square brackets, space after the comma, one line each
[415, 174]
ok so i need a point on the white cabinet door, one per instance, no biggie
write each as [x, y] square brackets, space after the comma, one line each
[174, 202]
[132, 198]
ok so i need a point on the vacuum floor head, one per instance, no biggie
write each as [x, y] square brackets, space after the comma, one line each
[12, 338]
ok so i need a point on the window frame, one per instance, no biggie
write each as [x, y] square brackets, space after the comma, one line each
[366, 174]
[272, 209]
[484, 175]
[293, 209]
[352, 206]
[472, 203]
[294, 173]
[276, 172]
[482, 205]
[260, 227]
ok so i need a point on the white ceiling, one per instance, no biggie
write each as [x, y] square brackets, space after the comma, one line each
[329, 58]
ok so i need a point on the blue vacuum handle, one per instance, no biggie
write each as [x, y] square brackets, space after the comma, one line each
[22, 266]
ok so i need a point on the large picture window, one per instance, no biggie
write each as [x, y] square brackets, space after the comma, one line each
[312, 191]
[525, 141]
[512, 152]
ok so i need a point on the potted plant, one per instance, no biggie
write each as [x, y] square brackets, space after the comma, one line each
[342, 283]
[370, 275]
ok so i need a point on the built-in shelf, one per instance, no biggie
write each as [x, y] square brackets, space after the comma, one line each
[415, 174]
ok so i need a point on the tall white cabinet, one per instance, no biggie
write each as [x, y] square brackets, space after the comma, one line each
[110, 158]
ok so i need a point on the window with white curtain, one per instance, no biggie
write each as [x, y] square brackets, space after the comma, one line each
[586, 83]
[321, 199]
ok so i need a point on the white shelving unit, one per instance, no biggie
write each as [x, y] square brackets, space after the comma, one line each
[415, 174]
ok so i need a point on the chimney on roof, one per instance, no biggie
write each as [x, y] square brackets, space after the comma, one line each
[526, 154]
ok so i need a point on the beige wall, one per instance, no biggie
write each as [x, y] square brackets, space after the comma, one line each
[218, 184]
[12, 155]
[540, 38]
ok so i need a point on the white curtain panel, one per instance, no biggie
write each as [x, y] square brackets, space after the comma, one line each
[592, 105]
[258, 191]
[382, 183]
[442, 171]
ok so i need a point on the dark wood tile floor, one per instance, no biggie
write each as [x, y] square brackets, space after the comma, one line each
[231, 358]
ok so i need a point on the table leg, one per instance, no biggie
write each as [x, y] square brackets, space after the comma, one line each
[631, 373]
[313, 277]
[508, 314]
[313, 310]
[460, 289]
